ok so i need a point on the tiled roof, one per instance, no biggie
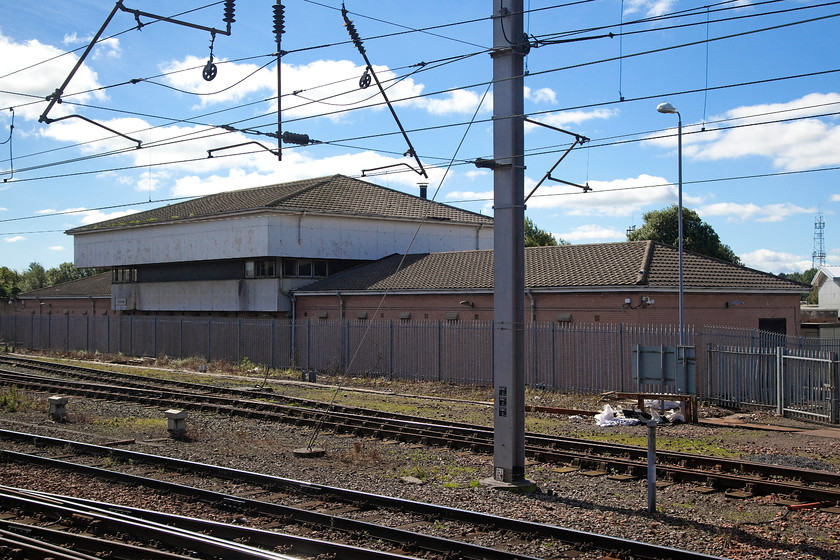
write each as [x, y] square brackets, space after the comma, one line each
[98, 285]
[603, 265]
[336, 194]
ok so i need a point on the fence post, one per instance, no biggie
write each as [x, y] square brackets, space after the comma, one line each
[835, 393]
[154, 337]
[622, 373]
[239, 340]
[391, 347]
[780, 391]
[181, 337]
[439, 351]
[209, 325]
[271, 344]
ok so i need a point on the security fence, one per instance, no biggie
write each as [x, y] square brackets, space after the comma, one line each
[794, 375]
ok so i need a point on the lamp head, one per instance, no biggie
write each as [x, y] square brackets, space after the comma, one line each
[666, 108]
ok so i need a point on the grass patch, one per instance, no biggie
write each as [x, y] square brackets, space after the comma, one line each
[13, 399]
[132, 423]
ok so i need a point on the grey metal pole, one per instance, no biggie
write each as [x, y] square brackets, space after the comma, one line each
[680, 222]
[651, 466]
[508, 240]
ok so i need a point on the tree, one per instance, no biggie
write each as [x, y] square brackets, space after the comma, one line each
[698, 236]
[536, 237]
[804, 278]
[8, 283]
[67, 272]
[32, 278]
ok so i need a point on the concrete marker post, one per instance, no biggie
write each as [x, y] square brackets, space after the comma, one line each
[651, 466]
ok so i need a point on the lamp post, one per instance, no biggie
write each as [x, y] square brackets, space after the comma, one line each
[668, 108]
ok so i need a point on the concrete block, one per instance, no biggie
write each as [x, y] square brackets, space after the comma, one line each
[177, 422]
[58, 408]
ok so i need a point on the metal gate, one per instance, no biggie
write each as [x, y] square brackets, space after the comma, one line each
[808, 385]
[797, 383]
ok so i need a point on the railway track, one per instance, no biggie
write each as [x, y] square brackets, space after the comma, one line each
[741, 479]
[402, 527]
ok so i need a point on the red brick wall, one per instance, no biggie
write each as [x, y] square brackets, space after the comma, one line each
[699, 309]
[68, 306]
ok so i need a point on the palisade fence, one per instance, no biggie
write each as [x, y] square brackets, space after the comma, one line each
[733, 366]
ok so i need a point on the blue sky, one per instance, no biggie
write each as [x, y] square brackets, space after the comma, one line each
[757, 84]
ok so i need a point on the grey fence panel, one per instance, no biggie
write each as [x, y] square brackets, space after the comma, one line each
[743, 376]
[415, 351]
[327, 345]
[99, 339]
[168, 337]
[142, 336]
[466, 352]
[78, 332]
[256, 340]
[195, 337]
[58, 331]
[809, 385]
[368, 350]
[225, 340]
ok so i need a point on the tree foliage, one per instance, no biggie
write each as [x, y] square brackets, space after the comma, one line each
[536, 237]
[36, 276]
[33, 278]
[698, 236]
[804, 278]
[8, 283]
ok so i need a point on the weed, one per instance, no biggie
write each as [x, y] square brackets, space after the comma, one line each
[13, 399]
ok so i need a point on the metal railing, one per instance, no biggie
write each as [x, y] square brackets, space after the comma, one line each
[734, 366]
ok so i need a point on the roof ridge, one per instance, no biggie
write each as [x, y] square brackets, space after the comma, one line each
[644, 269]
[316, 182]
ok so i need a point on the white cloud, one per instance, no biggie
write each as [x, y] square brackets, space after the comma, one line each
[458, 101]
[742, 212]
[567, 118]
[186, 74]
[649, 7]
[14, 239]
[300, 165]
[3, 209]
[592, 233]
[87, 216]
[474, 174]
[41, 79]
[620, 197]
[775, 261]
[56, 248]
[105, 48]
[542, 95]
[835, 198]
[791, 146]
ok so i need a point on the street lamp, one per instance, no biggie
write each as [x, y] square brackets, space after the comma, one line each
[668, 108]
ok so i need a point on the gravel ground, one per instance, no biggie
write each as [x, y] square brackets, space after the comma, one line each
[752, 529]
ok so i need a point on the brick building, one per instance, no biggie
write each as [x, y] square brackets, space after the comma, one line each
[629, 282]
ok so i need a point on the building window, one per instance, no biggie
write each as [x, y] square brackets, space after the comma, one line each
[305, 268]
[263, 268]
[124, 275]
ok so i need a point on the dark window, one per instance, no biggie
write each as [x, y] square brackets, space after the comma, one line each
[263, 268]
[305, 268]
[319, 268]
[124, 275]
[290, 267]
[778, 325]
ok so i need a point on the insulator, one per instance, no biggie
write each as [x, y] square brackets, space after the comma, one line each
[229, 12]
[294, 138]
[351, 29]
[354, 35]
[279, 20]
